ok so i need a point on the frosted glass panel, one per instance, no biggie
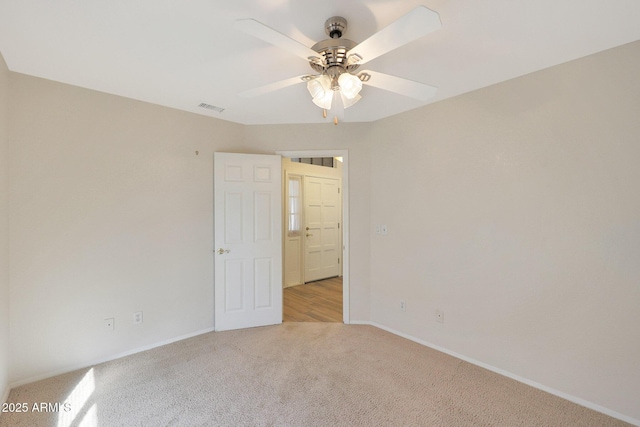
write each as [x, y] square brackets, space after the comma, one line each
[295, 205]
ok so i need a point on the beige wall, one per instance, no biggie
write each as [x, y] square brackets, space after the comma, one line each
[4, 229]
[516, 210]
[112, 213]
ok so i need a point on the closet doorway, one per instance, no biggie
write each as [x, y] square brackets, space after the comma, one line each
[315, 270]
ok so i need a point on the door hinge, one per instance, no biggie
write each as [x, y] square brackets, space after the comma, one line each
[338, 260]
[338, 190]
[338, 226]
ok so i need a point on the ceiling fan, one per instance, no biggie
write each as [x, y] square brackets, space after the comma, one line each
[337, 82]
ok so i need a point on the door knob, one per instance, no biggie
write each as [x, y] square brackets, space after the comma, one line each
[223, 251]
[307, 228]
[308, 235]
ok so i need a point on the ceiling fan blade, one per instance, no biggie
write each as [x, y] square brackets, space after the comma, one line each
[276, 38]
[399, 85]
[274, 86]
[415, 24]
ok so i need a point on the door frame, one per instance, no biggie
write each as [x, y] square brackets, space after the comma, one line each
[345, 215]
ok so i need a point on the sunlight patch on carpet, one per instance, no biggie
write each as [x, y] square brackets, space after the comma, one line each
[77, 401]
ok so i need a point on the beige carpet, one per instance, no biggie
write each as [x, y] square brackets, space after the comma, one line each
[296, 374]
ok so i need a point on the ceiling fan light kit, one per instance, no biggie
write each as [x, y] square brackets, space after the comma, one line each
[350, 85]
[336, 85]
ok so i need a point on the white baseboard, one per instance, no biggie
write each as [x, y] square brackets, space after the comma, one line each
[106, 359]
[362, 322]
[518, 378]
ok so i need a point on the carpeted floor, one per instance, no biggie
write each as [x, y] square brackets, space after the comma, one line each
[295, 374]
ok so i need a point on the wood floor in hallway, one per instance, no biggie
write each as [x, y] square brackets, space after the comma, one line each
[319, 301]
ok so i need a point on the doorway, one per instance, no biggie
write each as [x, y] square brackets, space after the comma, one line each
[319, 301]
[326, 299]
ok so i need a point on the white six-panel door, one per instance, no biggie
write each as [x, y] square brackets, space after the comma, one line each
[248, 240]
[322, 201]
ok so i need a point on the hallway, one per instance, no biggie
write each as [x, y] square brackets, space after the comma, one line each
[319, 301]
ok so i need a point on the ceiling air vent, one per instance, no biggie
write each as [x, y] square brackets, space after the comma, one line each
[211, 107]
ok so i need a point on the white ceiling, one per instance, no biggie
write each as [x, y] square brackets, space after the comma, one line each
[183, 53]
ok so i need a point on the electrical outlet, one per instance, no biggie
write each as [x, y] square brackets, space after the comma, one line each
[403, 305]
[439, 316]
[110, 323]
[137, 317]
[381, 230]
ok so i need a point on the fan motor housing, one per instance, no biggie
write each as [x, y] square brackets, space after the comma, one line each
[333, 51]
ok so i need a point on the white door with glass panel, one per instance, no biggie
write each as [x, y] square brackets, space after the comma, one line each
[322, 202]
[293, 239]
[248, 240]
